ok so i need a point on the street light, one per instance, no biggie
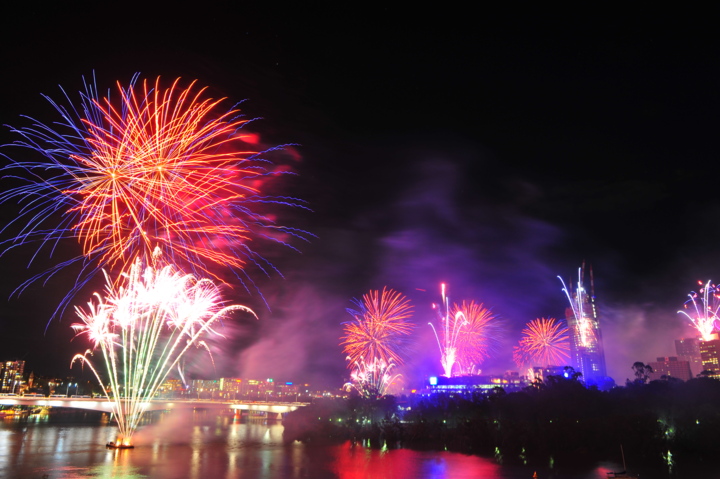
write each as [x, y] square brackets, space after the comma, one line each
[67, 390]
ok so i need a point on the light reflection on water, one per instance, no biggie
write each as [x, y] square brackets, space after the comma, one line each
[187, 446]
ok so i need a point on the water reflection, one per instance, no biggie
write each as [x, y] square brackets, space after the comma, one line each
[354, 462]
[201, 447]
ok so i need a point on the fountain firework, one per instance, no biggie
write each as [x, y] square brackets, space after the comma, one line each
[143, 326]
[372, 379]
[544, 342]
[449, 333]
[703, 307]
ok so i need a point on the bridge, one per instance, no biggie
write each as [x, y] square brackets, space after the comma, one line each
[103, 405]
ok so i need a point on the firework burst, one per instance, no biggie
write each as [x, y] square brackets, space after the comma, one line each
[544, 342]
[702, 309]
[153, 167]
[379, 328]
[478, 332]
[142, 328]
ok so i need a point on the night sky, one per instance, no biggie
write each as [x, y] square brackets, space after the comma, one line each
[490, 150]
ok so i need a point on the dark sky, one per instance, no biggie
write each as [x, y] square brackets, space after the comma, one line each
[491, 150]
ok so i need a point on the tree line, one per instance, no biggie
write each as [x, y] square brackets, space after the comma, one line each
[558, 421]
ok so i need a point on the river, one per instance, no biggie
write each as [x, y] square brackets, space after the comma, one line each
[200, 446]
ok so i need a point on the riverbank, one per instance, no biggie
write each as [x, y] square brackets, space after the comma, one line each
[660, 425]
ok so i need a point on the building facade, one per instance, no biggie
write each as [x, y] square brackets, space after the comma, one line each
[11, 377]
[670, 367]
[478, 384]
[688, 349]
[710, 356]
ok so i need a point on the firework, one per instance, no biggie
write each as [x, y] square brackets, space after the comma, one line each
[478, 332]
[448, 335]
[702, 310]
[544, 342]
[152, 173]
[154, 167]
[583, 320]
[372, 379]
[378, 329]
[142, 328]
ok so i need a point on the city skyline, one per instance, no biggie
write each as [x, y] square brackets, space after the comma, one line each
[492, 154]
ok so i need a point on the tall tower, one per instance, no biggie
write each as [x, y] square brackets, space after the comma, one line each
[586, 345]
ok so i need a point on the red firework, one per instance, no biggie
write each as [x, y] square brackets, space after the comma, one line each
[154, 169]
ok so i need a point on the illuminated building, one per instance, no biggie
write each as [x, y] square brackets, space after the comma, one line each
[258, 389]
[287, 391]
[670, 367]
[11, 379]
[541, 374]
[230, 388]
[469, 384]
[171, 388]
[205, 388]
[710, 355]
[688, 349]
[586, 346]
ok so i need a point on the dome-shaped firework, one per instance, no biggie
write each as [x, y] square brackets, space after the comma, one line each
[544, 342]
[151, 167]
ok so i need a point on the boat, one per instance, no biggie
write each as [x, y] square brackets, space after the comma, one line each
[16, 412]
[113, 445]
[622, 474]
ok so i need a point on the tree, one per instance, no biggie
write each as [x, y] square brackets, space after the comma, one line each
[642, 372]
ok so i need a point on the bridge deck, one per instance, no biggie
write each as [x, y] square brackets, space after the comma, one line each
[101, 404]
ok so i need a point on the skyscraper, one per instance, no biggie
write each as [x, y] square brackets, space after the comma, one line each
[11, 376]
[710, 355]
[586, 346]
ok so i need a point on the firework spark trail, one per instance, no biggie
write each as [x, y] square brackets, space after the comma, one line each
[577, 304]
[158, 167]
[478, 331]
[544, 342]
[449, 333]
[372, 379]
[704, 307]
[143, 327]
[378, 329]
